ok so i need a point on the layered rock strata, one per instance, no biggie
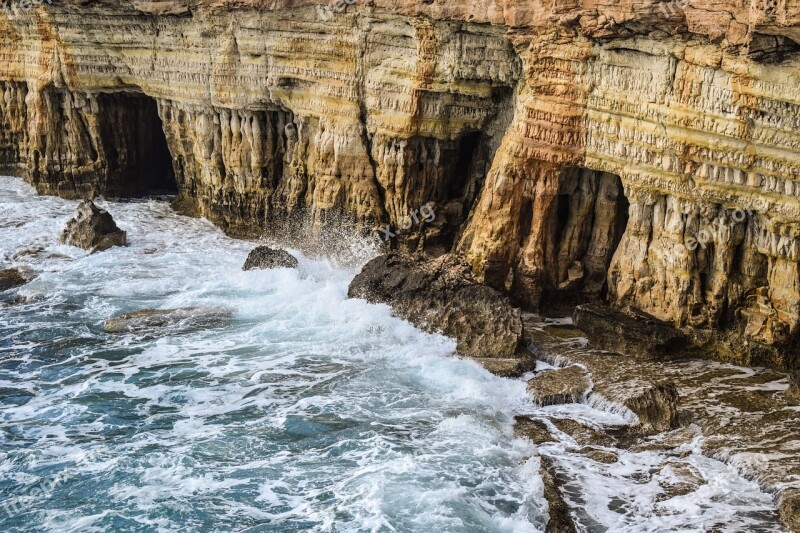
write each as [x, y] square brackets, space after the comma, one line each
[645, 154]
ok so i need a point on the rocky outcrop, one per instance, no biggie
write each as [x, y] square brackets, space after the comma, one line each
[645, 154]
[11, 278]
[559, 518]
[93, 229]
[152, 320]
[440, 296]
[636, 334]
[264, 257]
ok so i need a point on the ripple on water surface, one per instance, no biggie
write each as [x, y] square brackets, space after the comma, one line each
[305, 411]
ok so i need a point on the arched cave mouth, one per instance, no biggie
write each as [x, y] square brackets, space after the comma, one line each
[139, 162]
[591, 216]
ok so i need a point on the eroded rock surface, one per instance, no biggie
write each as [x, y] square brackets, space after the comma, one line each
[93, 229]
[441, 296]
[265, 257]
[153, 320]
[637, 335]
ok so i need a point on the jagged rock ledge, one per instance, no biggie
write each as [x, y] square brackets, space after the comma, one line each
[741, 413]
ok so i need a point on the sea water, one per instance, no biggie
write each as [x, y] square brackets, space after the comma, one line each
[306, 411]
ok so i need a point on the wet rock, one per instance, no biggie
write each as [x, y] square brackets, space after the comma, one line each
[679, 479]
[560, 520]
[563, 385]
[600, 455]
[93, 229]
[264, 258]
[656, 406]
[583, 434]
[635, 334]
[789, 508]
[11, 278]
[535, 430]
[505, 367]
[441, 296]
[152, 319]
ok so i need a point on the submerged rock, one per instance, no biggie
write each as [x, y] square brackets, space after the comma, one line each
[562, 385]
[635, 334]
[183, 318]
[93, 229]
[11, 278]
[265, 257]
[441, 296]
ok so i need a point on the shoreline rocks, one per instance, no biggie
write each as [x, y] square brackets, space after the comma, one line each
[265, 258]
[441, 296]
[93, 229]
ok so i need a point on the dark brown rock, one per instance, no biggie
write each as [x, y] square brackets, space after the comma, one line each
[631, 333]
[93, 229]
[263, 258]
[11, 278]
[441, 296]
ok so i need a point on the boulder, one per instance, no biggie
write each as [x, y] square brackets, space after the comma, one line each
[184, 319]
[264, 257]
[11, 278]
[441, 296]
[93, 229]
[562, 385]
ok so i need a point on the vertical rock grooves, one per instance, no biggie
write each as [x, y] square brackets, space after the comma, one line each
[625, 153]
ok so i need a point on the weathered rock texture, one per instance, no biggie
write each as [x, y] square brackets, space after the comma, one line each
[442, 297]
[264, 257]
[93, 229]
[643, 153]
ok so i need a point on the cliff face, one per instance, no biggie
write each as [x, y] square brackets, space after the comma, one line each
[642, 153]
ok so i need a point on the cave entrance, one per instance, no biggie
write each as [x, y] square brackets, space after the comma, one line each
[590, 218]
[138, 159]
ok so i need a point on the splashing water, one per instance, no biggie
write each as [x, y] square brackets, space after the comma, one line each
[306, 411]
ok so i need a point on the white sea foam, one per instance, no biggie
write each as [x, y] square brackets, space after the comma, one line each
[307, 411]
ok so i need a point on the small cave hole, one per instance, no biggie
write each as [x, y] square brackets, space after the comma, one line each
[134, 143]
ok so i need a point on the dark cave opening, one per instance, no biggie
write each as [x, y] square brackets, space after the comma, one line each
[139, 162]
[590, 218]
[766, 48]
[467, 152]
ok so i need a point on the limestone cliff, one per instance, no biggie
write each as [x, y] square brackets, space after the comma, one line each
[643, 153]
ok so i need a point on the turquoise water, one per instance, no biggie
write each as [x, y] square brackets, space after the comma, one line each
[305, 412]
